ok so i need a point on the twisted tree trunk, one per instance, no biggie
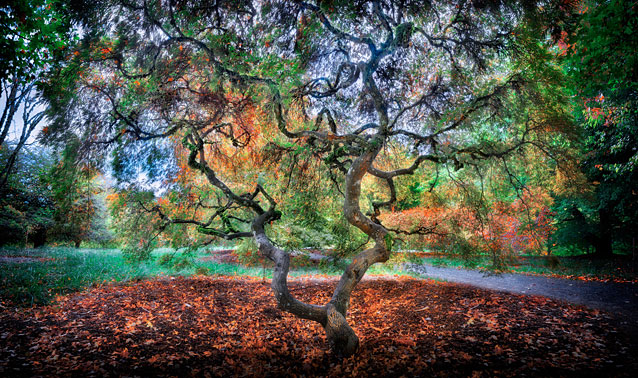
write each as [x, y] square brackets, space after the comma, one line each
[332, 316]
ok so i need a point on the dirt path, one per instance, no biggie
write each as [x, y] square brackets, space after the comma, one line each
[618, 298]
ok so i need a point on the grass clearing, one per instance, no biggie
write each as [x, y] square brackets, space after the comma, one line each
[31, 277]
[36, 276]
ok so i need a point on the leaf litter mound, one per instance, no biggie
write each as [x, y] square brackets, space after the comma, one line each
[206, 326]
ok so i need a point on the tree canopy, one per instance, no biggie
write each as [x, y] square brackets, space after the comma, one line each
[256, 102]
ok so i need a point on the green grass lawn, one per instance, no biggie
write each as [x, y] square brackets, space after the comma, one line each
[35, 276]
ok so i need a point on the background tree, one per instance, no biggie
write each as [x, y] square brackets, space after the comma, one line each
[33, 37]
[601, 61]
[75, 194]
[49, 197]
[26, 203]
[457, 84]
[132, 221]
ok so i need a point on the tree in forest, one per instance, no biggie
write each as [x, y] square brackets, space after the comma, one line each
[137, 227]
[26, 203]
[262, 98]
[50, 197]
[74, 193]
[33, 36]
[600, 59]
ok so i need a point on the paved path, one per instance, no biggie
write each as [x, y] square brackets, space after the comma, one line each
[618, 298]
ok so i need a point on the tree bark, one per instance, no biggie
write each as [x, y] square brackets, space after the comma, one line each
[279, 284]
[341, 336]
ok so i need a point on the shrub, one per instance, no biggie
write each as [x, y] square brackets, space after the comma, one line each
[136, 254]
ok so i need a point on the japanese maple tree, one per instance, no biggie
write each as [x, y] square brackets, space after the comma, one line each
[259, 93]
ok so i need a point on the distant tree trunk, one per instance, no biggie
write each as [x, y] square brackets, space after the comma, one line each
[77, 243]
[20, 101]
[38, 236]
[633, 254]
[603, 241]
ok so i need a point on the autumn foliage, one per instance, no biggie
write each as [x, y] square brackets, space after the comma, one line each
[512, 228]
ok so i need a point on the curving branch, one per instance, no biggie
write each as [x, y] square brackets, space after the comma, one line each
[279, 283]
[337, 32]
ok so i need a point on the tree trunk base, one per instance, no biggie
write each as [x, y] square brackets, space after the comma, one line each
[341, 337]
